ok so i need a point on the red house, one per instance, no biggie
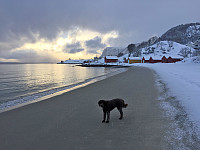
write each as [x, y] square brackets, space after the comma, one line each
[145, 60]
[163, 60]
[173, 60]
[151, 60]
[111, 59]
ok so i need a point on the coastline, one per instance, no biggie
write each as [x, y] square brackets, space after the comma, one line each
[54, 92]
[72, 120]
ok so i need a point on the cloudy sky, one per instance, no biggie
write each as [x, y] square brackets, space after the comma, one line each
[54, 30]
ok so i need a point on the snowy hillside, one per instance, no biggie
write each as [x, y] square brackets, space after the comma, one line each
[195, 59]
[187, 34]
[193, 31]
[156, 51]
[166, 48]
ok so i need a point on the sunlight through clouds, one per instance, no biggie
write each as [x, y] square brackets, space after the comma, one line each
[71, 44]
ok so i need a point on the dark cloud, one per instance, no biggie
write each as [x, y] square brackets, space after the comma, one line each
[95, 43]
[73, 45]
[73, 51]
[73, 48]
[92, 52]
[48, 17]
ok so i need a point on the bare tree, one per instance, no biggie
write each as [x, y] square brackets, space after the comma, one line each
[185, 52]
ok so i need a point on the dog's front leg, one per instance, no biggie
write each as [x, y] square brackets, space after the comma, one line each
[108, 116]
[104, 116]
[121, 113]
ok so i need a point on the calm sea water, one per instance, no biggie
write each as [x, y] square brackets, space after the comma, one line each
[20, 83]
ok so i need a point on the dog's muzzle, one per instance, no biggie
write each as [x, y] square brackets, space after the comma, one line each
[100, 105]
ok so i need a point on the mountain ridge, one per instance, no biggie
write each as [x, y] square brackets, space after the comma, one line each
[187, 35]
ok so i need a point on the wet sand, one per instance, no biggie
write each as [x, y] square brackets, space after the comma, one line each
[73, 120]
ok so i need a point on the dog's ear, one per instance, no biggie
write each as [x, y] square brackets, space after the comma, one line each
[99, 102]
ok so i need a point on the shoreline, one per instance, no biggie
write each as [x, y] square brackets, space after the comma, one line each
[55, 92]
[73, 120]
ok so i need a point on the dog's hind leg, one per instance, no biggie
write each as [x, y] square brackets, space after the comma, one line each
[121, 112]
[108, 116]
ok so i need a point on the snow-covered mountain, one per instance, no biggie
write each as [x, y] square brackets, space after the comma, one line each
[193, 30]
[165, 48]
[179, 41]
[182, 34]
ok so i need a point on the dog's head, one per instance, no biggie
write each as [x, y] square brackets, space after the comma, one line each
[101, 103]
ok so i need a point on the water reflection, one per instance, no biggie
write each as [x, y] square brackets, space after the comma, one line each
[22, 80]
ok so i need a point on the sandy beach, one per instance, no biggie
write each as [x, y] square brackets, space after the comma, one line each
[72, 121]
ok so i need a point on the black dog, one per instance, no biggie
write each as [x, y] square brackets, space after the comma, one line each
[108, 105]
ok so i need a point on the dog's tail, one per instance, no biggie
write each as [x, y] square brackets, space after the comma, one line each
[125, 105]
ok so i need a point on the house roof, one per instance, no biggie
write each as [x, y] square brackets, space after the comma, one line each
[134, 58]
[111, 57]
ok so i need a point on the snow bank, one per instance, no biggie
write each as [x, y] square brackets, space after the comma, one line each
[179, 85]
[183, 81]
[195, 59]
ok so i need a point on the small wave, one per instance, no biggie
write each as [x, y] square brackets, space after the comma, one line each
[24, 100]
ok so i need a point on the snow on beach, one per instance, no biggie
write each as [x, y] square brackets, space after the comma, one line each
[179, 84]
[183, 81]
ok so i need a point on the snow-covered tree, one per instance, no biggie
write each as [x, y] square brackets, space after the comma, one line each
[137, 53]
[131, 48]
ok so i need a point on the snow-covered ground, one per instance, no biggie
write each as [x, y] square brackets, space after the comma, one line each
[179, 84]
[183, 81]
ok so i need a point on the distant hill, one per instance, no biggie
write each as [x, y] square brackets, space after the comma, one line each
[185, 35]
[182, 34]
[114, 51]
[165, 48]
[10, 63]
